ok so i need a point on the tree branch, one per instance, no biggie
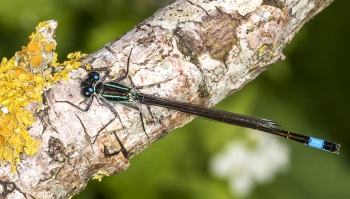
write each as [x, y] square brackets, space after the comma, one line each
[191, 51]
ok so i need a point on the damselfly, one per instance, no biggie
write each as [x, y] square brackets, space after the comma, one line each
[94, 86]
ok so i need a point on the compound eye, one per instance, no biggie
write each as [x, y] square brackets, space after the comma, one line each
[94, 75]
[87, 91]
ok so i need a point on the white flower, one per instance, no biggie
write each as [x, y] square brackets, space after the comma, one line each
[244, 164]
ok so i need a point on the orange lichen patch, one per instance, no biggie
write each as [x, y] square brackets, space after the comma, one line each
[39, 51]
[23, 79]
[33, 47]
[29, 89]
[2, 140]
[4, 131]
[49, 47]
[36, 60]
[21, 71]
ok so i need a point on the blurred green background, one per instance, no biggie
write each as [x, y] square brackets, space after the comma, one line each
[308, 93]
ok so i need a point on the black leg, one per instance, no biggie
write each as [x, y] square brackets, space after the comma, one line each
[141, 117]
[105, 76]
[112, 109]
[127, 70]
[78, 107]
[104, 127]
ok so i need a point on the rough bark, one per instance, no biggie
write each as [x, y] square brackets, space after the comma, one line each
[192, 51]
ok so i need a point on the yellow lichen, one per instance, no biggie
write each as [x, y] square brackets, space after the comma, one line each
[23, 79]
[262, 48]
[88, 67]
[99, 175]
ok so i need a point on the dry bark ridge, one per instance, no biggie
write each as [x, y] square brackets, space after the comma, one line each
[192, 51]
